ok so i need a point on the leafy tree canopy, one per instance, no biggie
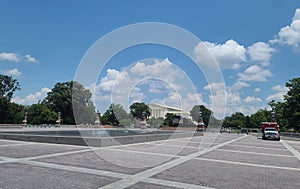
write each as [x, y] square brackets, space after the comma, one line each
[71, 98]
[206, 113]
[292, 105]
[114, 114]
[138, 108]
[8, 86]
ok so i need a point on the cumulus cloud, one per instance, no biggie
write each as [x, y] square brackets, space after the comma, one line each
[255, 73]
[12, 72]
[29, 58]
[290, 35]
[15, 57]
[239, 85]
[32, 98]
[257, 90]
[280, 91]
[11, 57]
[143, 81]
[252, 99]
[228, 55]
[260, 52]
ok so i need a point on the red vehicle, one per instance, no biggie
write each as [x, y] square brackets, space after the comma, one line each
[270, 130]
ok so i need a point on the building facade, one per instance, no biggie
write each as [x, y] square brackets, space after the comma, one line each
[158, 110]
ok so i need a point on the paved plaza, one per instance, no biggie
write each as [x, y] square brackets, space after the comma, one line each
[210, 161]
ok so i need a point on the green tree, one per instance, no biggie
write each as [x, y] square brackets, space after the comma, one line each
[16, 113]
[40, 114]
[261, 115]
[83, 106]
[278, 108]
[169, 119]
[66, 96]
[155, 122]
[138, 108]
[292, 104]
[248, 122]
[236, 120]
[8, 86]
[206, 113]
[114, 115]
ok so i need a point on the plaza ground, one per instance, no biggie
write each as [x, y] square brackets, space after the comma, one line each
[210, 161]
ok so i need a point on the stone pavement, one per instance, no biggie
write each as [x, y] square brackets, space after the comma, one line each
[212, 161]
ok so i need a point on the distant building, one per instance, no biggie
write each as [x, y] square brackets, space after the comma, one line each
[158, 110]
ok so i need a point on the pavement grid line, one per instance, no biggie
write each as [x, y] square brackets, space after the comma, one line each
[249, 164]
[254, 153]
[291, 149]
[126, 182]
[129, 177]
[258, 147]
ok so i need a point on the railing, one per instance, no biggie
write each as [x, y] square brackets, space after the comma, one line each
[289, 134]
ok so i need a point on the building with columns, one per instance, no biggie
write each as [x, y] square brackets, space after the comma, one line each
[158, 110]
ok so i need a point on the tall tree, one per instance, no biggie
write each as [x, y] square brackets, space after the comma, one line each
[206, 113]
[292, 105]
[60, 99]
[16, 113]
[40, 114]
[169, 117]
[83, 106]
[278, 108]
[137, 110]
[114, 115]
[8, 86]
[261, 115]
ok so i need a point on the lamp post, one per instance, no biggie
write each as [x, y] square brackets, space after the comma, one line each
[273, 116]
[25, 118]
[201, 125]
[58, 122]
[98, 122]
[143, 121]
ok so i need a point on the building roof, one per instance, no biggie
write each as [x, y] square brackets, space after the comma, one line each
[164, 106]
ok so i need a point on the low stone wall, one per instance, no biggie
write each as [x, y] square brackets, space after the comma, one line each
[96, 141]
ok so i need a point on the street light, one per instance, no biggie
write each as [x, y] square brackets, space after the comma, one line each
[25, 118]
[201, 125]
[143, 115]
[58, 122]
[273, 116]
[97, 122]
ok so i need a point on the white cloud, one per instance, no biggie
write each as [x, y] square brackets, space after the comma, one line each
[260, 52]
[143, 81]
[228, 55]
[29, 58]
[239, 85]
[255, 73]
[280, 91]
[15, 57]
[13, 72]
[257, 90]
[280, 88]
[252, 99]
[11, 57]
[32, 98]
[192, 99]
[290, 35]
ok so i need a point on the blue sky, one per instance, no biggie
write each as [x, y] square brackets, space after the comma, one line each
[256, 43]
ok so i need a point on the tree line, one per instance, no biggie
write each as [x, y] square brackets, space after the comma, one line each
[62, 99]
[74, 104]
[287, 113]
